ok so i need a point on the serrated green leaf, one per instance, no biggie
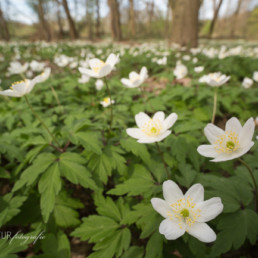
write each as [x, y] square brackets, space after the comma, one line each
[49, 186]
[154, 246]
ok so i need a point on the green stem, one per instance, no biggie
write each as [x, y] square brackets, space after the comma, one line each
[111, 109]
[255, 185]
[214, 106]
[57, 99]
[162, 158]
[42, 123]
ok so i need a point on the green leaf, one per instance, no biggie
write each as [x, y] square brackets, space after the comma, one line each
[154, 246]
[187, 175]
[138, 149]
[134, 251]
[90, 141]
[235, 229]
[29, 176]
[71, 167]
[141, 183]
[49, 186]
[94, 228]
[9, 207]
[56, 246]
[66, 205]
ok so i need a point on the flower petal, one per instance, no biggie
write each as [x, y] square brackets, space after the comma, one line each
[171, 229]
[88, 72]
[160, 206]
[112, 59]
[209, 209]
[127, 82]
[202, 232]
[95, 62]
[171, 192]
[162, 136]
[170, 120]
[247, 133]
[207, 151]
[233, 155]
[135, 133]
[144, 73]
[141, 119]
[234, 125]
[212, 132]
[10, 93]
[159, 115]
[196, 193]
[104, 71]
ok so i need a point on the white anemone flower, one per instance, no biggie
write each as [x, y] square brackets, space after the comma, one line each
[186, 213]
[180, 71]
[247, 83]
[21, 88]
[152, 129]
[198, 69]
[232, 143]
[107, 102]
[216, 79]
[84, 78]
[255, 76]
[135, 79]
[100, 69]
[16, 67]
[99, 84]
[37, 66]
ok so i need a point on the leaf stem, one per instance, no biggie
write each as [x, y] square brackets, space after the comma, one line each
[57, 99]
[43, 124]
[162, 158]
[255, 185]
[214, 106]
[111, 109]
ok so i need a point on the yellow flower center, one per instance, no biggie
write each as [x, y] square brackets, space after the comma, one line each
[135, 78]
[106, 100]
[97, 68]
[18, 82]
[152, 128]
[184, 212]
[227, 142]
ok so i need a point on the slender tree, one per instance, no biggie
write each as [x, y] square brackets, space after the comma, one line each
[131, 18]
[43, 21]
[234, 18]
[4, 32]
[215, 16]
[115, 19]
[72, 29]
[185, 22]
[97, 19]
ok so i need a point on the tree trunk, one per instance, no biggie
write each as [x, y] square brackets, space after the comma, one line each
[4, 32]
[215, 16]
[131, 18]
[185, 22]
[97, 19]
[43, 22]
[115, 20]
[89, 19]
[234, 19]
[72, 29]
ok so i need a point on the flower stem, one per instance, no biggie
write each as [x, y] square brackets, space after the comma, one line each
[111, 109]
[214, 106]
[162, 158]
[42, 123]
[57, 99]
[255, 185]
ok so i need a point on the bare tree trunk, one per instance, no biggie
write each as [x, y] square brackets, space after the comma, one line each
[97, 19]
[89, 19]
[59, 22]
[43, 22]
[185, 22]
[115, 20]
[215, 16]
[150, 11]
[234, 20]
[4, 32]
[131, 18]
[72, 29]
